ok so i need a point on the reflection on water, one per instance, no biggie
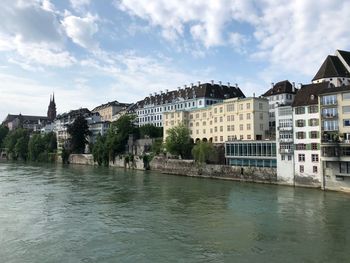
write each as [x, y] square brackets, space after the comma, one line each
[90, 214]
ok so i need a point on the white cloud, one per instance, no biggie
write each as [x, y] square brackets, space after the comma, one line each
[79, 4]
[295, 35]
[81, 30]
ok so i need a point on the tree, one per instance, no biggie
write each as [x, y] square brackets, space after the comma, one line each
[178, 141]
[79, 131]
[100, 150]
[203, 151]
[3, 132]
[150, 131]
[118, 134]
[16, 144]
[41, 146]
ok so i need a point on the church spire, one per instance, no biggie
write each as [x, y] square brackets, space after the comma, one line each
[51, 111]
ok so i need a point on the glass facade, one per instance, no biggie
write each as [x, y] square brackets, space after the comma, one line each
[255, 154]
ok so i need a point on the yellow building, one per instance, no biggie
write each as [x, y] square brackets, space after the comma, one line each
[108, 110]
[232, 119]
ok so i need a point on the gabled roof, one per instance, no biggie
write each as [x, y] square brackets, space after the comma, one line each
[24, 118]
[111, 104]
[206, 90]
[308, 94]
[74, 113]
[336, 90]
[280, 88]
[345, 55]
[332, 67]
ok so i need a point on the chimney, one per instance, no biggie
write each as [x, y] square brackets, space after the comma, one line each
[199, 83]
[272, 84]
[161, 92]
[299, 85]
[150, 95]
[228, 84]
[220, 82]
[178, 88]
[293, 86]
[185, 86]
[212, 82]
[236, 85]
[254, 95]
[155, 93]
[191, 85]
[166, 90]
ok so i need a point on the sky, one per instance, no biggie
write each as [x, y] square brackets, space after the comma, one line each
[89, 52]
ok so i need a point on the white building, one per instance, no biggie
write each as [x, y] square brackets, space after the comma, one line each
[280, 94]
[285, 144]
[62, 122]
[335, 69]
[150, 110]
[307, 140]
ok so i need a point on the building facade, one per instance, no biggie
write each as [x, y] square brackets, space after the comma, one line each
[151, 109]
[307, 139]
[232, 119]
[110, 109]
[335, 135]
[280, 94]
[285, 144]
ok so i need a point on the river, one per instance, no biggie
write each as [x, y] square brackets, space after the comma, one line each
[52, 213]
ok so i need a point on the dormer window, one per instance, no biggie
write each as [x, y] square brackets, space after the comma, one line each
[312, 97]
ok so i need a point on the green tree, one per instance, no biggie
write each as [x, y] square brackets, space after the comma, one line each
[203, 151]
[41, 146]
[157, 146]
[100, 150]
[150, 131]
[16, 144]
[178, 141]
[3, 132]
[118, 134]
[78, 131]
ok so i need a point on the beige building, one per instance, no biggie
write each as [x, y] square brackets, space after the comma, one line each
[108, 110]
[232, 119]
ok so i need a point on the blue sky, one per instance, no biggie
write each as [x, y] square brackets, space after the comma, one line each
[92, 51]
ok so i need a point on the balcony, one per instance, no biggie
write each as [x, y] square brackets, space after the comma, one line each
[286, 140]
[285, 151]
[330, 115]
[285, 128]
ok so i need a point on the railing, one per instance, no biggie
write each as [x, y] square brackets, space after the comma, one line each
[286, 151]
[286, 140]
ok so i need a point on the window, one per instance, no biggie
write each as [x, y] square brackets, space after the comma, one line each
[300, 110]
[313, 122]
[215, 110]
[249, 137]
[330, 125]
[204, 115]
[215, 129]
[241, 127]
[248, 106]
[314, 135]
[261, 116]
[200, 102]
[314, 169]
[221, 139]
[329, 100]
[197, 124]
[289, 157]
[197, 116]
[241, 106]
[313, 109]
[204, 123]
[314, 157]
[240, 117]
[347, 122]
[241, 137]
[300, 123]
[230, 107]
[346, 109]
[221, 109]
[346, 96]
[220, 119]
[215, 119]
[282, 157]
[215, 138]
[301, 157]
[248, 116]
[261, 127]
[260, 106]
[203, 131]
[314, 146]
[301, 168]
[221, 128]
[301, 135]
[248, 126]
[330, 112]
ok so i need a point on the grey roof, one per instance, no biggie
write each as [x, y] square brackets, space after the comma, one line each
[280, 88]
[25, 118]
[336, 90]
[205, 90]
[111, 103]
[74, 113]
[308, 94]
[332, 67]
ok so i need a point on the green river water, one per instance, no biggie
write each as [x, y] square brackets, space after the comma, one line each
[54, 213]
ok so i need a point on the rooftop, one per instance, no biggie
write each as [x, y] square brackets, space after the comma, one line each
[308, 94]
[332, 67]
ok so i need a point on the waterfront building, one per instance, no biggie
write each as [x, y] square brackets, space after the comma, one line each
[232, 119]
[150, 110]
[64, 120]
[307, 139]
[110, 109]
[251, 154]
[335, 134]
[128, 110]
[31, 123]
[335, 69]
[285, 144]
[280, 94]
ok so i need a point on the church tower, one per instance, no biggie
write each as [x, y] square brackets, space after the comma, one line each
[51, 111]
